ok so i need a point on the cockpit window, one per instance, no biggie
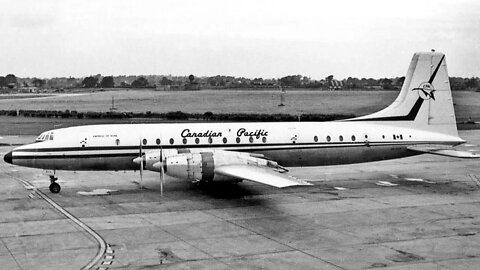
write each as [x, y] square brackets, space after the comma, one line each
[46, 136]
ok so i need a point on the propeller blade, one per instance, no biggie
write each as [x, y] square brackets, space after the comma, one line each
[140, 155]
[141, 173]
[162, 176]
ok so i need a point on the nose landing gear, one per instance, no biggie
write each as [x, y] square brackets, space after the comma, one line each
[54, 186]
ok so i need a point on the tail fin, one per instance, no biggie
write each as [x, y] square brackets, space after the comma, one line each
[425, 101]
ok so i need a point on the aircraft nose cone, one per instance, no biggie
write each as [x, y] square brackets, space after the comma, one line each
[8, 157]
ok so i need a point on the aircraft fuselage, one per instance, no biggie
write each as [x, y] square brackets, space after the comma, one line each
[292, 144]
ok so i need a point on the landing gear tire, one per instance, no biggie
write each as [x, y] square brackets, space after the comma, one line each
[54, 187]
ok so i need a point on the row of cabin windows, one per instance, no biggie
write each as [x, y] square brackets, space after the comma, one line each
[264, 139]
[340, 138]
[197, 140]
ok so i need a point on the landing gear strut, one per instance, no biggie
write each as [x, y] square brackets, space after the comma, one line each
[54, 186]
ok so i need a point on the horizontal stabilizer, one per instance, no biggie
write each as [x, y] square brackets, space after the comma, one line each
[263, 175]
[442, 150]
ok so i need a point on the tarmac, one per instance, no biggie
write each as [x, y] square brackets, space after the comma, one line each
[419, 212]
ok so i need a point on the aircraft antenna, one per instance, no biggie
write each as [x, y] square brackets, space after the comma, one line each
[113, 108]
[282, 96]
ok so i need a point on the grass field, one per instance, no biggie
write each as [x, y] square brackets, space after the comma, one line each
[216, 101]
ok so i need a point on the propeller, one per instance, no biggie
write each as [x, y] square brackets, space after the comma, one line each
[140, 160]
[162, 172]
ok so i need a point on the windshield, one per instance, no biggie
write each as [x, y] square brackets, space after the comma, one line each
[46, 136]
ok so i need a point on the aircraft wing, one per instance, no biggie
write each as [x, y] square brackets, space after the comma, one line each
[442, 150]
[264, 175]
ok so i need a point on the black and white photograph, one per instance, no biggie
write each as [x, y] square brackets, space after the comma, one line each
[226, 134]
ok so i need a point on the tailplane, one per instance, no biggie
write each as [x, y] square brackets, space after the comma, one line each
[425, 101]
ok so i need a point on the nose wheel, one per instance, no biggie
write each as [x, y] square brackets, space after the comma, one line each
[54, 186]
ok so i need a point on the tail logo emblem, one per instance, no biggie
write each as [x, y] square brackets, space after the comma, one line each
[425, 91]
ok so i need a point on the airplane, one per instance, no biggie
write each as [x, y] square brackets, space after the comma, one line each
[420, 120]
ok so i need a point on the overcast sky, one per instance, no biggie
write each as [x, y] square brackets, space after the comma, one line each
[254, 38]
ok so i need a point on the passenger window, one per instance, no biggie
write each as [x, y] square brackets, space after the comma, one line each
[383, 136]
[340, 138]
[329, 138]
[264, 139]
[210, 140]
[315, 138]
[157, 141]
[238, 139]
[144, 141]
[171, 141]
[353, 138]
[224, 140]
[117, 141]
[394, 137]
[197, 140]
[401, 137]
[250, 139]
[184, 140]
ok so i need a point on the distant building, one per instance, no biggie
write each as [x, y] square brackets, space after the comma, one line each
[28, 89]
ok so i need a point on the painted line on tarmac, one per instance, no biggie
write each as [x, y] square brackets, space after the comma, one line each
[107, 259]
[102, 244]
[385, 184]
[418, 180]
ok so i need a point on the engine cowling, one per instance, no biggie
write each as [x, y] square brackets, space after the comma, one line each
[152, 157]
[201, 166]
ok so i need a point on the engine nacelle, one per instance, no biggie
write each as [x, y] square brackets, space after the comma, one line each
[201, 166]
[153, 156]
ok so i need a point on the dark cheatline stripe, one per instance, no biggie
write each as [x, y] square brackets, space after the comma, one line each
[409, 117]
[297, 147]
[62, 156]
[181, 148]
[185, 148]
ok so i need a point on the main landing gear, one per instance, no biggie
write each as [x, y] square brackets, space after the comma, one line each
[54, 186]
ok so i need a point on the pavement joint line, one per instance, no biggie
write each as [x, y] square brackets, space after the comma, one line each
[11, 254]
[189, 244]
[284, 244]
[430, 260]
[102, 244]
[475, 179]
[179, 238]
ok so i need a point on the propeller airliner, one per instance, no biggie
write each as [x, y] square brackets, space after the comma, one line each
[421, 120]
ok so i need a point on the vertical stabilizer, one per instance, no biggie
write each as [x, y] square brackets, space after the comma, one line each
[425, 101]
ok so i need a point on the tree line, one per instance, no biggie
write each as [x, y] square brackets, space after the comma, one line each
[176, 115]
[219, 82]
